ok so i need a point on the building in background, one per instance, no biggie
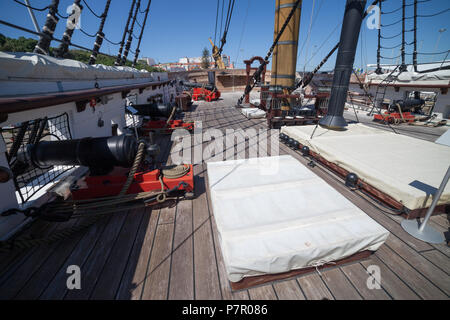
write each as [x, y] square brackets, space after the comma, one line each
[148, 61]
[188, 64]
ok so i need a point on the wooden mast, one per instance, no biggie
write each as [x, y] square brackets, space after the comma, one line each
[285, 53]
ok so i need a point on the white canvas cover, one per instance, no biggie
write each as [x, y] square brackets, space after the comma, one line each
[407, 169]
[253, 113]
[19, 66]
[437, 77]
[274, 215]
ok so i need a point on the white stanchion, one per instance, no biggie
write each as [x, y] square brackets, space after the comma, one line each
[423, 231]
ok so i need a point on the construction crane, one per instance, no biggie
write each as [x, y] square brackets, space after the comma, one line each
[217, 56]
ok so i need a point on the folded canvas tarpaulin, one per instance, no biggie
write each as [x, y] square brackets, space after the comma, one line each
[253, 113]
[407, 169]
[30, 73]
[274, 215]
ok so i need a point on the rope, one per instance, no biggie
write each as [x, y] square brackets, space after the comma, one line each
[30, 7]
[92, 11]
[136, 163]
[258, 72]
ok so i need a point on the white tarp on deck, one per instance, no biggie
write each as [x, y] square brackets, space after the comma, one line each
[274, 215]
[253, 113]
[406, 168]
[29, 66]
[436, 77]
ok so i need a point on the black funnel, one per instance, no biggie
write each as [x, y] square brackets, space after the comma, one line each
[353, 16]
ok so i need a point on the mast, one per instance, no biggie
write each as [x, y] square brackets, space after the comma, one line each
[351, 26]
[285, 53]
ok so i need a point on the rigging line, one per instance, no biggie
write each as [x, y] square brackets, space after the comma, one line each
[100, 34]
[113, 43]
[242, 32]
[221, 19]
[429, 53]
[138, 23]
[30, 7]
[432, 15]
[392, 57]
[406, 5]
[92, 11]
[87, 34]
[384, 37]
[125, 31]
[309, 35]
[217, 18]
[61, 16]
[313, 23]
[130, 34]
[382, 47]
[227, 25]
[136, 55]
[326, 40]
[391, 24]
[256, 75]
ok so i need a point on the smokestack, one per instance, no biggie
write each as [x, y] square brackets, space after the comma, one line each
[354, 14]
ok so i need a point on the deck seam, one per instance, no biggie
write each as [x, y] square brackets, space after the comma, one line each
[150, 255]
[172, 250]
[129, 255]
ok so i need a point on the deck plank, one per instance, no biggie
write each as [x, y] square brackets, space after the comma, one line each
[57, 288]
[108, 281]
[416, 281]
[438, 277]
[94, 265]
[358, 276]
[181, 275]
[438, 259]
[314, 288]
[36, 285]
[11, 286]
[265, 292]
[390, 281]
[134, 276]
[158, 271]
[288, 290]
[338, 284]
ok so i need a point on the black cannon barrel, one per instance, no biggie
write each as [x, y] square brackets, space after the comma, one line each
[100, 154]
[154, 109]
[353, 16]
[407, 105]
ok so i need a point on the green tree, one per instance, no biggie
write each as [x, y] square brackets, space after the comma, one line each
[205, 58]
[23, 44]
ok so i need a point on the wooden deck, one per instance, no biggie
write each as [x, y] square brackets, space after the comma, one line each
[174, 253]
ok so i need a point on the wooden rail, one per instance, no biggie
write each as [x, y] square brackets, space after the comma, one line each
[18, 104]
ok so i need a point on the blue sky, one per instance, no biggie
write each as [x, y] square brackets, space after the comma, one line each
[180, 28]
